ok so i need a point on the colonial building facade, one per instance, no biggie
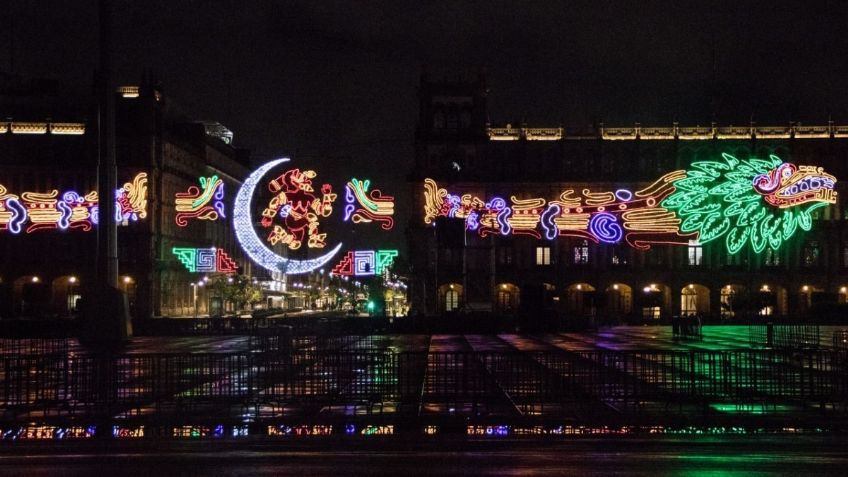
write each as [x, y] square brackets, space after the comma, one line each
[176, 180]
[629, 268]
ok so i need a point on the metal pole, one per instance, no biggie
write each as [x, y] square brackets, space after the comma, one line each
[107, 231]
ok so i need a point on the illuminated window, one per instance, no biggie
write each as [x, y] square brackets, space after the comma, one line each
[451, 300]
[811, 256]
[696, 254]
[772, 258]
[543, 255]
[581, 253]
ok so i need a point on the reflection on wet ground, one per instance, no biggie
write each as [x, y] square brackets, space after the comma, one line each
[695, 457]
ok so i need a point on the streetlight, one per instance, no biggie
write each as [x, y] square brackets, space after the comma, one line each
[194, 294]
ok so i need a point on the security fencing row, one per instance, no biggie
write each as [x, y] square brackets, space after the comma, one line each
[267, 385]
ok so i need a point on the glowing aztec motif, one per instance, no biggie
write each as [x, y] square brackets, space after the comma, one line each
[756, 201]
[249, 240]
[373, 206]
[364, 262]
[204, 203]
[34, 211]
[298, 207]
[205, 260]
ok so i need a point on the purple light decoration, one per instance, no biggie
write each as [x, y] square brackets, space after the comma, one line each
[19, 215]
[547, 221]
[65, 218]
[454, 201]
[503, 215]
[472, 222]
[623, 194]
[350, 200]
[219, 200]
[604, 226]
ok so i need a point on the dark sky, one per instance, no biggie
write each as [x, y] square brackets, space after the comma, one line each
[332, 83]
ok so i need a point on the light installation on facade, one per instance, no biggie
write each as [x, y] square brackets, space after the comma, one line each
[131, 199]
[756, 201]
[249, 240]
[362, 206]
[203, 203]
[205, 260]
[299, 209]
[33, 211]
[364, 262]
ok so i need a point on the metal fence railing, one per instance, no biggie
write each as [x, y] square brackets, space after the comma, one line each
[309, 381]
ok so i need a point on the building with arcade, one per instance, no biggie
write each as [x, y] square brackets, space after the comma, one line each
[609, 224]
[176, 178]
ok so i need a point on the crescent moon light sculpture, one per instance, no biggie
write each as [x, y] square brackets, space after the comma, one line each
[250, 242]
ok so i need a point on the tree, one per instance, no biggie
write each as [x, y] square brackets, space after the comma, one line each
[236, 289]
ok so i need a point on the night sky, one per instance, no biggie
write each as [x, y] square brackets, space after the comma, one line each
[333, 83]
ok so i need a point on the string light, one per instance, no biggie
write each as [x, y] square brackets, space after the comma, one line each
[365, 207]
[34, 211]
[757, 202]
[205, 260]
[761, 202]
[364, 262]
[250, 242]
[203, 203]
[295, 202]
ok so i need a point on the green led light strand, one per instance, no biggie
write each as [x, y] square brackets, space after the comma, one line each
[716, 199]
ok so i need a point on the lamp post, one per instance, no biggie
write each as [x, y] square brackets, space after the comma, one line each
[194, 294]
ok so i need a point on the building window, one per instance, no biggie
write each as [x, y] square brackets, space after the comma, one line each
[696, 254]
[504, 256]
[845, 256]
[543, 255]
[451, 300]
[617, 256]
[733, 259]
[772, 258]
[812, 254]
[581, 253]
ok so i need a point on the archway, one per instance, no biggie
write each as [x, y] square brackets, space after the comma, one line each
[31, 296]
[507, 298]
[451, 297]
[581, 299]
[619, 300]
[772, 300]
[806, 299]
[655, 301]
[66, 294]
[694, 300]
[732, 301]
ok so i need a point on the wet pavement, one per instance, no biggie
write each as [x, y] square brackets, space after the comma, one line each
[723, 456]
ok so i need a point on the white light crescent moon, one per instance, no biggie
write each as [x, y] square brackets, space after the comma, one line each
[250, 242]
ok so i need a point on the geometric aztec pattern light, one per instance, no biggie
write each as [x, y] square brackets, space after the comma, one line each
[249, 240]
[298, 208]
[33, 211]
[365, 207]
[364, 262]
[205, 260]
[755, 201]
[203, 203]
